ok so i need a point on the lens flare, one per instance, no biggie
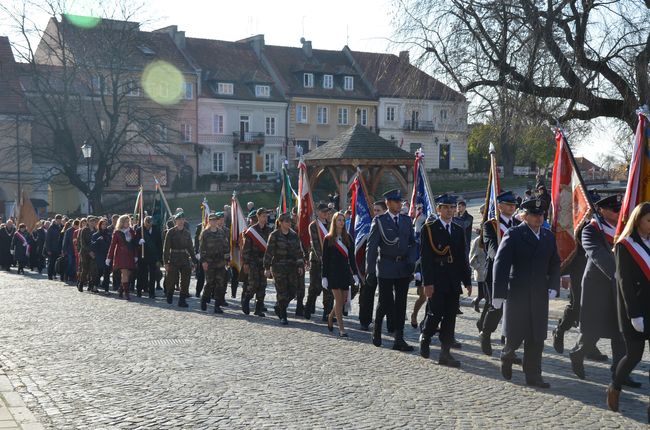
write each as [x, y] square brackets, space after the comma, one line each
[83, 21]
[162, 82]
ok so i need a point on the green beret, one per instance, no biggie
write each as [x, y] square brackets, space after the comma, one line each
[180, 215]
[252, 214]
[216, 215]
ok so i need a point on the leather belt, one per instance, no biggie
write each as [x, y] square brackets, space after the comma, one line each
[396, 258]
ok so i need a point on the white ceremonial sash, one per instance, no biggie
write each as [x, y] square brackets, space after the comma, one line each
[257, 239]
[639, 254]
[608, 231]
[322, 231]
[341, 247]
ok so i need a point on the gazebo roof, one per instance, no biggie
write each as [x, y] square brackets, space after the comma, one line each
[360, 144]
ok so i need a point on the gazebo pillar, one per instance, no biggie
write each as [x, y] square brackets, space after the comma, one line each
[343, 188]
[409, 179]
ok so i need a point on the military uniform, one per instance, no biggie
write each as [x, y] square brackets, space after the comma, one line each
[178, 255]
[255, 246]
[284, 257]
[87, 264]
[300, 292]
[215, 251]
[317, 234]
[444, 266]
[198, 273]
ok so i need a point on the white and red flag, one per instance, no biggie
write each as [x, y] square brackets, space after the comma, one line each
[305, 205]
[237, 227]
[569, 200]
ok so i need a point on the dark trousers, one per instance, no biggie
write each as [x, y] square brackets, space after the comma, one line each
[442, 308]
[200, 279]
[147, 273]
[587, 343]
[628, 363]
[234, 281]
[51, 261]
[481, 293]
[490, 317]
[572, 310]
[532, 361]
[392, 303]
[366, 303]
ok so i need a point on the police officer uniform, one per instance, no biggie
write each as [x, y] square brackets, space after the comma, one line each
[492, 232]
[178, 255]
[390, 262]
[444, 266]
[526, 275]
[214, 251]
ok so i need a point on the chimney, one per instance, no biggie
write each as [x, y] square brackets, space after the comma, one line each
[257, 43]
[306, 46]
[404, 57]
[179, 39]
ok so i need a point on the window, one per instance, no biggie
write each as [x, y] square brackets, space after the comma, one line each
[218, 162]
[302, 114]
[133, 90]
[328, 81]
[225, 88]
[188, 91]
[98, 84]
[186, 132]
[132, 176]
[262, 91]
[343, 116]
[364, 116]
[244, 123]
[270, 126]
[269, 162]
[390, 113]
[348, 83]
[162, 133]
[415, 119]
[322, 115]
[302, 147]
[308, 80]
[217, 124]
[414, 146]
[443, 114]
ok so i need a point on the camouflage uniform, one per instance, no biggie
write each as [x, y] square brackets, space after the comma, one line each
[215, 250]
[315, 274]
[284, 257]
[87, 265]
[253, 256]
[178, 254]
[300, 293]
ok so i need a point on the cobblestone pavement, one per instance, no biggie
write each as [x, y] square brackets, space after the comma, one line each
[85, 361]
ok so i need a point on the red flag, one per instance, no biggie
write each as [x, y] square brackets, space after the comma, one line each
[305, 205]
[570, 202]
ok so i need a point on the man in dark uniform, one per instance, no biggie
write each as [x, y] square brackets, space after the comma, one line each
[148, 266]
[53, 245]
[87, 264]
[493, 231]
[178, 255]
[367, 294]
[214, 252]
[465, 221]
[390, 262]
[598, 314]
[318, 228]
[444, 266]
[526, 276]
[199, 274]
[255, 244]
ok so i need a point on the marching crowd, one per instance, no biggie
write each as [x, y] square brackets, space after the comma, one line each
[514, 260]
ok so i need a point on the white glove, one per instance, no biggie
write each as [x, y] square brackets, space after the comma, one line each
[324, 283]
[108, 261]
[136, 259]
[637, 323]
[12, 252]
[418, 276]
[141, 242]
[356, 279]
[498, 303]
[552, 294]
[198, 257]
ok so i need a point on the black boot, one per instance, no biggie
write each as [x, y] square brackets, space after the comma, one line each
[400, 344]
[80, 287]
[259, 304]
[300, 309]
[446, 359]
[506, 368]
[425, 342]
[283, 316]
[577, 363]
[170, 297]
[245, 304]
[217, 308]
[376, 334]
[558, 340]
[486, 343]
[204, 304]
[181, 301]
[308, 308]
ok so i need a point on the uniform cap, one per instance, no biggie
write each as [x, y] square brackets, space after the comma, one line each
[323, 207]
[507, 197]
[261, 211]
[445, 199]
[613, 202]
[395, 194]
[252, 214]
[215, 215]
[533, 206]
[180, 215]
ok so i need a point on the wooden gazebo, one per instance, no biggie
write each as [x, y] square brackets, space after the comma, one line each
[359, 147]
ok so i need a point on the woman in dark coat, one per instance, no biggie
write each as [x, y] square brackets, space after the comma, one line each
[122, 253]
[101, 241]
[339, 268]
[6, 236]
[633, 281]
[20, 247]
[36, 260]
[69, 252]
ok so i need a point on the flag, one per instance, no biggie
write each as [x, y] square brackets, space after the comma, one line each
[421, 189]
[638, 180]
[491, 210]
[305, 205]
[26, 212]
[161, 211]
[287, 195]
[237, 227]
[569, 200]
[205, 212]
[137, 210]
[361, 220]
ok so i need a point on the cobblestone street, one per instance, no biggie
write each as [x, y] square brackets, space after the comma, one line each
[86, 361]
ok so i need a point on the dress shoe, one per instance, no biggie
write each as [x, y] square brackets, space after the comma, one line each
[245, 304]
[300, 309]
[401, 345]
[506, 369]
[577, 364]
[204, 305]
[486, 344]
[596, 356]
[364, 327]
[343, 334]
[629, 382]
[283, 317]
[376, 335]
[170, 298]
[181, 302]
[414, 321]
[446, 359]
[537, 382]
[139, 292]
[456, 345]
[80, 288]
[259, 306]
[558, 341]
[225, 304]
[517, 361]
[476, 303]
[425, 342]
[613, 396]
[217, 309]
[330, 326]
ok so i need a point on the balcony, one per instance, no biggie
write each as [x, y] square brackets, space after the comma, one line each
[418, 126]
[248, 139]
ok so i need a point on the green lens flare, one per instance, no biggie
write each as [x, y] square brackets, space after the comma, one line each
[162, 82]
[83, 21]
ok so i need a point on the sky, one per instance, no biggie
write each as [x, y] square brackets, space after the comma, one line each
[364, 25]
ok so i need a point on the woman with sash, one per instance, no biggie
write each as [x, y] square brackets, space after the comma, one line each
[122, 253]
[632, 252]
[339, 268]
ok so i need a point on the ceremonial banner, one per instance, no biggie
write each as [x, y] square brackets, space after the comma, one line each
[638, 181]
[139, 211]
[360, 225]
[237, 227]
[205, 212]
[421, 189]
[287, 195]
[305, 205]
[491, 210]
[569, 200]
[27, 213]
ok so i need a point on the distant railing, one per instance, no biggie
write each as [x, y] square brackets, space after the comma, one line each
[418, 126]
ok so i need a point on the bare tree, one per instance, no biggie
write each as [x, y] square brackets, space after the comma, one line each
[589, 57]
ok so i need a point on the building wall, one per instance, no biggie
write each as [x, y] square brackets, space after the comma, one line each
[12, 148]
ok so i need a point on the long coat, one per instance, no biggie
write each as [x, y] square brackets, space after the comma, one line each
[99, 244]
[391, 251]
[6, 237]
[444, 262]
[525, 268]
[122, 252]
[633, 290]
[598, 315]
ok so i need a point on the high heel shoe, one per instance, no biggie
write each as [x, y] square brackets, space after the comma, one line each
[330, 325]
[414, 321]
[344, 334]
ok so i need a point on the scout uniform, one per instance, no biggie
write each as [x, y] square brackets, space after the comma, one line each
[178, 256]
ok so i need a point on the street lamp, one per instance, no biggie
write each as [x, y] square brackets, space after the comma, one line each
[87, 151]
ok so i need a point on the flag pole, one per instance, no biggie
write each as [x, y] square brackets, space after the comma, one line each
[142, 216]
[164, 199]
